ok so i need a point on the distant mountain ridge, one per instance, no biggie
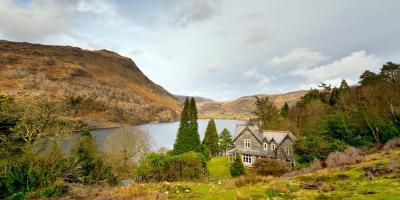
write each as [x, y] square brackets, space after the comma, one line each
[29, 71]
[243, 107]
[181, 98]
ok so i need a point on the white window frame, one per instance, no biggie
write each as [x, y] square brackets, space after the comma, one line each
[265, 145]
[247, 143]
[247, 159]
[289, 150]
[273, 147]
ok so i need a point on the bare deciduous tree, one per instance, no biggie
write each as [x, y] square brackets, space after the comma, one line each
[125, 147]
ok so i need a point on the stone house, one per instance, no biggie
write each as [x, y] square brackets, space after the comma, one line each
[252, 143]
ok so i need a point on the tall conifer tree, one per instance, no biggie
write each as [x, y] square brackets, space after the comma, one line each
[188, 138]
[285, 110]
[181, 143]
[210, 140]
[194, 126]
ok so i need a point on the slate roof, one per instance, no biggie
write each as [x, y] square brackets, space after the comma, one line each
[268, 135]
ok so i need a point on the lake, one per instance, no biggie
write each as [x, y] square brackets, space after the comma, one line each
[162, 134]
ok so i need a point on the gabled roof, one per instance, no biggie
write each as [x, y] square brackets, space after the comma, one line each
[267, 135]
[242, 127]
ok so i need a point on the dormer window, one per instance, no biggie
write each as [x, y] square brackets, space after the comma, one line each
[273, 147]
[265, 146]
[247, 143]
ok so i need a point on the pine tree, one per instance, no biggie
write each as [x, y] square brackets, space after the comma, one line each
[194, 126]
[285, 110]
[210, 140]
[335, 95]
[181, 145]
[225, 141]
[344, 85]
[85, 151]
[188, 138]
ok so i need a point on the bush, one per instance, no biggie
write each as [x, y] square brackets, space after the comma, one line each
[166, 167]
[315, 165]
[251, 179]
[274, 167]
[25, 175]
[395, 163]
[350, 156]
[237, 168]
[392, 144]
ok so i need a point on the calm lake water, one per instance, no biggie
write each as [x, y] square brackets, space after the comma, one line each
[162, 134]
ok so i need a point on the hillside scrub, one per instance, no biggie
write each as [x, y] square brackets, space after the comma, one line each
[273, 167]
[329, 183]
[363, 116]
[350, 156]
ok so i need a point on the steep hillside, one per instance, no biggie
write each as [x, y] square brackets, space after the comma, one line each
[242, 107]
[114, 87]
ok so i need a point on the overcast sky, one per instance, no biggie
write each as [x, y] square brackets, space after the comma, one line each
[221, 49]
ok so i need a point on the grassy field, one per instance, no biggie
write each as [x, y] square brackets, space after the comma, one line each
[218, 168]
[350, 182]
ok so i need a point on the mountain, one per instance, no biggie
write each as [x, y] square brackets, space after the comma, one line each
[181, 99]
[110, 88]
[242, 107]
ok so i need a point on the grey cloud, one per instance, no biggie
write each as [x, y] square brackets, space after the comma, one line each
[195, 11]
[33, 21]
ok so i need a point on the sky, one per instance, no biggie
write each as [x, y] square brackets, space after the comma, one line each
[221, 49]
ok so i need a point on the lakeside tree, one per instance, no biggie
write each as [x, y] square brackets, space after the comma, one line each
[188, 138]
[210, 140]
[225, 141]
[265, 111]
[124, 148]
[86, 152]
[194, 126]
[268, 115]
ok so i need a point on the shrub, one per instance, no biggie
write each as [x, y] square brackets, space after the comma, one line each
[251, 179]
[26, 175]
[237, 167]
[392, 144]
[265, 167]
[315, 165]
[349, 156]
[166, 167]
[395, 163]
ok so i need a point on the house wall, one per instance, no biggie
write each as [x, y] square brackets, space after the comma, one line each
[287, 142]
[255, 145]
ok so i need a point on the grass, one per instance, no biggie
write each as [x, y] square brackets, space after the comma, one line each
[218, 168]
[333, 183]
